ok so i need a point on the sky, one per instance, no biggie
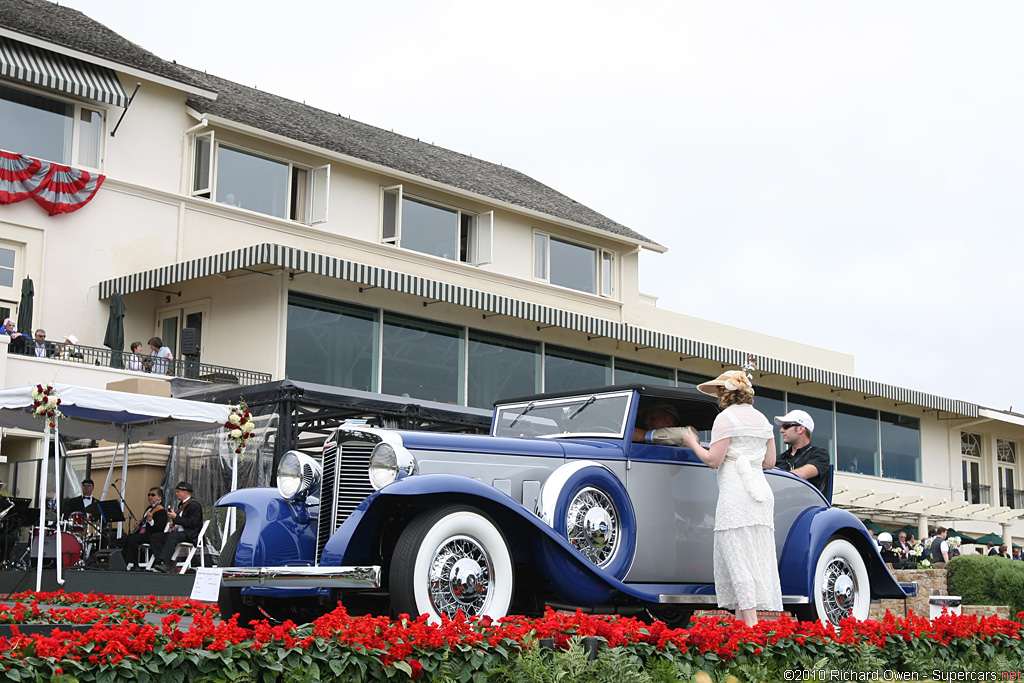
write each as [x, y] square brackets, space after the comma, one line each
[848, 175]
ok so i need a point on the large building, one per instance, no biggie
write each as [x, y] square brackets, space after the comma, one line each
[257, 235]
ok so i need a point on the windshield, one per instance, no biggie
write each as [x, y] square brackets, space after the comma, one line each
[601, 415]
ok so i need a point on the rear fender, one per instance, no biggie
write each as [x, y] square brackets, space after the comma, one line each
[358, 540]
[276, 532]
[807, 539]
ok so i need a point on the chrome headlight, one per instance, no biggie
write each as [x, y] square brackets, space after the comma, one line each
[388, 462]
[298, 475]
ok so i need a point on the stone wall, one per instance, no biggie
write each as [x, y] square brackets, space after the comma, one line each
[929, 582]
[1001, 611]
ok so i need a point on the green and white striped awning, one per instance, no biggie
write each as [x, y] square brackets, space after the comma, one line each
[310, 262]
[58, 72]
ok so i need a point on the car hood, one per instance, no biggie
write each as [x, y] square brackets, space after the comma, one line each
[495, 445]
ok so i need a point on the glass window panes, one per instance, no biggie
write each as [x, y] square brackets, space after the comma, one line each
[331, 343]
[252, 182]
[689, 379]
[421, 359]
[970, 445]
[820, 411]
[573, 266]
[36, 125]
[430, 229]
[771, 402]
[501, 367]
[901, 446]
[6, 267]
[1006, 451]
[540, 256]
[566, 368]
[856, 439]
[629, 372]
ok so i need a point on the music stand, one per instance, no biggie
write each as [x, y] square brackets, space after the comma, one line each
[109, 511]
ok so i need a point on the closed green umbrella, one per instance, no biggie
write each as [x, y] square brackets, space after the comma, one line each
[909, 530]
[114, 338]
[25, 307]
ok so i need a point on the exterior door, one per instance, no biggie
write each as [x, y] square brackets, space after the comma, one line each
[170, 322]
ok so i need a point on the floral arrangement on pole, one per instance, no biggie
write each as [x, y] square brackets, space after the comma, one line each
[46, 405]
[240, 426]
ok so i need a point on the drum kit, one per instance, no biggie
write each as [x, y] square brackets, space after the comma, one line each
[81, 536]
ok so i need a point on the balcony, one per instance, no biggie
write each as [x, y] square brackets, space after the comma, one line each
[66, 359]
[1011, 498]
[978, 494]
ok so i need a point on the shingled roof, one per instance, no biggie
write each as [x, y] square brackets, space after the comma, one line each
[70, 28]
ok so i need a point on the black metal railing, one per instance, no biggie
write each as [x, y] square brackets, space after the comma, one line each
[1011, 498]
[978, 493]
[146, 364]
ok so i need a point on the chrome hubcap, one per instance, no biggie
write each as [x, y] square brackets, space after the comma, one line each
[839, 590]
[460, 577]
[592, 525]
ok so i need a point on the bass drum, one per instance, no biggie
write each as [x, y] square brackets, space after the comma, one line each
[71, 549]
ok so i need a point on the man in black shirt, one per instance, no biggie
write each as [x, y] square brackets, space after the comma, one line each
[801, 458]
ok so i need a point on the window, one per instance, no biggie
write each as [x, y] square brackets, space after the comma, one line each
[432, 228]
[576, 266]
[61, 131]
[901, 446]
[970, 445]
[331, 343]
[501, 367]
[820, 411]
[6, 267]
[566, 368]
[630, 372]
[856, 439]
[421, 359]
[238, 177]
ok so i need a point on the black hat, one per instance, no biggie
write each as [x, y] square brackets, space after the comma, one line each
[184, 486]
[88, 481]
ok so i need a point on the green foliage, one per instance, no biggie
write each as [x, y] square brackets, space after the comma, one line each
[983, 580]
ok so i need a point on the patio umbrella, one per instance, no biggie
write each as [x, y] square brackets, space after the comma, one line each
[25, 307]
[989, 538]
[114, 338]
[964, 538]
[909, 530]
[876, 528]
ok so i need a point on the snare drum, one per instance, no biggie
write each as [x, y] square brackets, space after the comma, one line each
[70, 547]
[75, 522]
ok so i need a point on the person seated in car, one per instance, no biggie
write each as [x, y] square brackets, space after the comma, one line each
[661, 426]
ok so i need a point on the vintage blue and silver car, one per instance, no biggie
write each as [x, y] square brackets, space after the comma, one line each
[556, 506]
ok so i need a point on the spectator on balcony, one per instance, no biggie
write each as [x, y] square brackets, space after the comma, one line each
[19, 342]
[160, 356]
[42, 348]
[136, 361]
[69, 351]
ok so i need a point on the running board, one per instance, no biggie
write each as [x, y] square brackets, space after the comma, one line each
[302, 577]
[706, 599]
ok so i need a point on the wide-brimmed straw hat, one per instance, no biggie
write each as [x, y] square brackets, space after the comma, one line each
[732, 380]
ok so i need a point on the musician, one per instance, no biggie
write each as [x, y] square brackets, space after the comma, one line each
[187, 521]
[80, 503]
[154, 521]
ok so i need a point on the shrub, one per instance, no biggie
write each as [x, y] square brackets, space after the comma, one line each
[983, 580]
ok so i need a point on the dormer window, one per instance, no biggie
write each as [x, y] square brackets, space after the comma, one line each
[433, 228]
[576, 266]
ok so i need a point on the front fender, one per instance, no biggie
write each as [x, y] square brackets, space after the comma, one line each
[807, 539]
[572, 576]
[277, 533]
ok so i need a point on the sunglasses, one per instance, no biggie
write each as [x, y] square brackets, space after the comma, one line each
[789, 425]
[151, 494]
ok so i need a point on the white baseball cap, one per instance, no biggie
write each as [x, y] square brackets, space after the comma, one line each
[798, 416]
[885, 537]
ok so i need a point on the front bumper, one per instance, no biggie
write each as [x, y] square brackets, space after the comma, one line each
[302, 577]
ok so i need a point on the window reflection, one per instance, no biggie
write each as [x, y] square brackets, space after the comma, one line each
[627, 372]
[331, 343]
[501, 367]
[421, 359]
[856, 439]
[901, 447]
[570, 369]
[430, 229]
[35, 125]
[573, 266]
[252, 182]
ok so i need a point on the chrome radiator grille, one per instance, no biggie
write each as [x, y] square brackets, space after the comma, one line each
[345, 484]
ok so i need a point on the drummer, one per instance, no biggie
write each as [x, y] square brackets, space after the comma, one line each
[82, 502]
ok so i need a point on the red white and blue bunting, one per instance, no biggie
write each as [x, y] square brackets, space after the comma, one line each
[55, 187]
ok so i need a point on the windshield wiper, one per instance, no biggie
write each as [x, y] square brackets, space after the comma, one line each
[528, 408]
[581, 408]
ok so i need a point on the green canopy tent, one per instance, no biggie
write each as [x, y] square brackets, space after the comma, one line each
[964, 538]
[909, 530]
[874, 526]
[989, 538]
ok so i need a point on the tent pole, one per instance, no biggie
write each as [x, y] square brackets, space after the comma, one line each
[57, 476]
[42, 511]
[124, 473]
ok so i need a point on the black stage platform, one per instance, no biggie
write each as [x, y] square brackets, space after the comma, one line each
[118, 583]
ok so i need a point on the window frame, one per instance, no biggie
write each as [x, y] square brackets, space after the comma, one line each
[74, 144]
[316, 202]
[604, 264]
[477, 244]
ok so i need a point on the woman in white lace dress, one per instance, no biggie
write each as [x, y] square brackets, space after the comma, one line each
[746, 571]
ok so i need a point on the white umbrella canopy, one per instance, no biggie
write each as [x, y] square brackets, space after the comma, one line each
[112, 415]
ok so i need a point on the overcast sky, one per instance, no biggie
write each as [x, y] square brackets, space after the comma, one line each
[842, 174]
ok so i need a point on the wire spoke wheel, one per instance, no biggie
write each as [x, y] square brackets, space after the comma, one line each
[839, 590]
[593, 525]
[460, 577]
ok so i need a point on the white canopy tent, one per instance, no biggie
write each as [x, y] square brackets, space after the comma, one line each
[101, 414]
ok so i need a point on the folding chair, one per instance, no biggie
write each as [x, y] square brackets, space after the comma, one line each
[190, 550]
